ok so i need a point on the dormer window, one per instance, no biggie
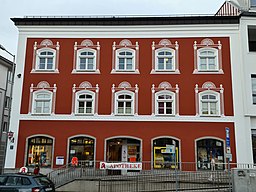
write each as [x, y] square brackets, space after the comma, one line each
[86, 57]
[45, 59]
[207, 57]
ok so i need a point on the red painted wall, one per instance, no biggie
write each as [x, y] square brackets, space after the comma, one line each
[186, 80]
[187, 132]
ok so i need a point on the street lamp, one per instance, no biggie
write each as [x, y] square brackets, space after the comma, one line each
[9, 107]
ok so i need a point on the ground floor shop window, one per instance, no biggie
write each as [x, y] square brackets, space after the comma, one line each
[165, 153]
[210, 154]
[40, 151]
[254, 145]
[83, 149]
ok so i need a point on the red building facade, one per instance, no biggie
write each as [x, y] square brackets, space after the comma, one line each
[126, 99]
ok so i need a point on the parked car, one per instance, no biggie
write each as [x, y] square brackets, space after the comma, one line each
[28, 182]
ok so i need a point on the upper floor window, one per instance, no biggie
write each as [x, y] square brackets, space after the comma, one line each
[125, 60]
[46, 56]
[85, 102]
[125, 99]
[85, 99]
[46, 59]
[86, 57]
[165, 57]
[252, 38]
[209, 100]
[125, 57]
[124, 103]
[42, 102]
[253, 88]
[165, 103]
[42, 98]
[207, 57]
[209, 104]
[164, 99]
[253, 3]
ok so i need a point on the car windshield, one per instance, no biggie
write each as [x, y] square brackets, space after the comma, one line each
[43, 180]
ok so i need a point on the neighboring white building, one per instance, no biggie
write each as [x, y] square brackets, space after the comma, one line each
[6, 77]
[244, 78]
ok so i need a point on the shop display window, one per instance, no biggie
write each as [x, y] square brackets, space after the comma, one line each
[165, 153]
[210, 152]
[40, 151]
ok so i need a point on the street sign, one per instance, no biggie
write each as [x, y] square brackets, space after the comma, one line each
[227, 137]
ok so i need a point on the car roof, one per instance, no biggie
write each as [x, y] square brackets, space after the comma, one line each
[29, 174]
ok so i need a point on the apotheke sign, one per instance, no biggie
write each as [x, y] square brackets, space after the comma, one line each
[121, 166]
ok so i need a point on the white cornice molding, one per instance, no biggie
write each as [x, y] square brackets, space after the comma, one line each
[127, 118]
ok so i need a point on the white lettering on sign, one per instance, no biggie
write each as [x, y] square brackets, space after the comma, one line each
[121, 166]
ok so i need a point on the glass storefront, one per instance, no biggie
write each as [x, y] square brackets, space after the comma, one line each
[210, 152]
[82, 148]
[40, 151]
[165, 153]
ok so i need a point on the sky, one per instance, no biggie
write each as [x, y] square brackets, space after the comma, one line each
[21, 8]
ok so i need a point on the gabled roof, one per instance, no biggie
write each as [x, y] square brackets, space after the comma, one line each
[229, 8]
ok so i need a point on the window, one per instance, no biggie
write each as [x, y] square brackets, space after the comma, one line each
[165, 103]
[45, 60]
[125, 99]
[165, 60]
[253, 89]
[207, 60]
[253, 3]
[45, 57]
[124, 103]
[209, 104]
[83, 149]
[252, 37]
[125, 57]
[254, 145]
[7, 102]
[207, 57]
[42, 102]
[39, 151]
[85, 102]
[86, 60]
[125, 60]
[165, 57]
[208, 149]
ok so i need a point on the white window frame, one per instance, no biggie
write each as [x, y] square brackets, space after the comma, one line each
[173, 58]
[199, 56]
[125, 92]
[165, 92]
[85, 92]
[79, 56]
[35, 98]
[217, 101]
[38, 57]
[118, 56]
[253, 81]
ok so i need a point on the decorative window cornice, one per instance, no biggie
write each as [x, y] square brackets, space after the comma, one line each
[85, 87]
[165, 45]
[208, 45]
[86, 45]
[165, 86]
[48, 46]
[125, 45]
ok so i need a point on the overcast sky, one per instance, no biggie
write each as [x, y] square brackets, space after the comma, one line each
[21, 8]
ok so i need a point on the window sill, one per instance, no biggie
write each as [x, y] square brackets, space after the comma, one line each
[208, 72]
[125, 72]
[41, 114]
[210, 115]
[75, 71]
[44, 71]
[81, 114]
[164, 115]
[124, 115]
[153, 71]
